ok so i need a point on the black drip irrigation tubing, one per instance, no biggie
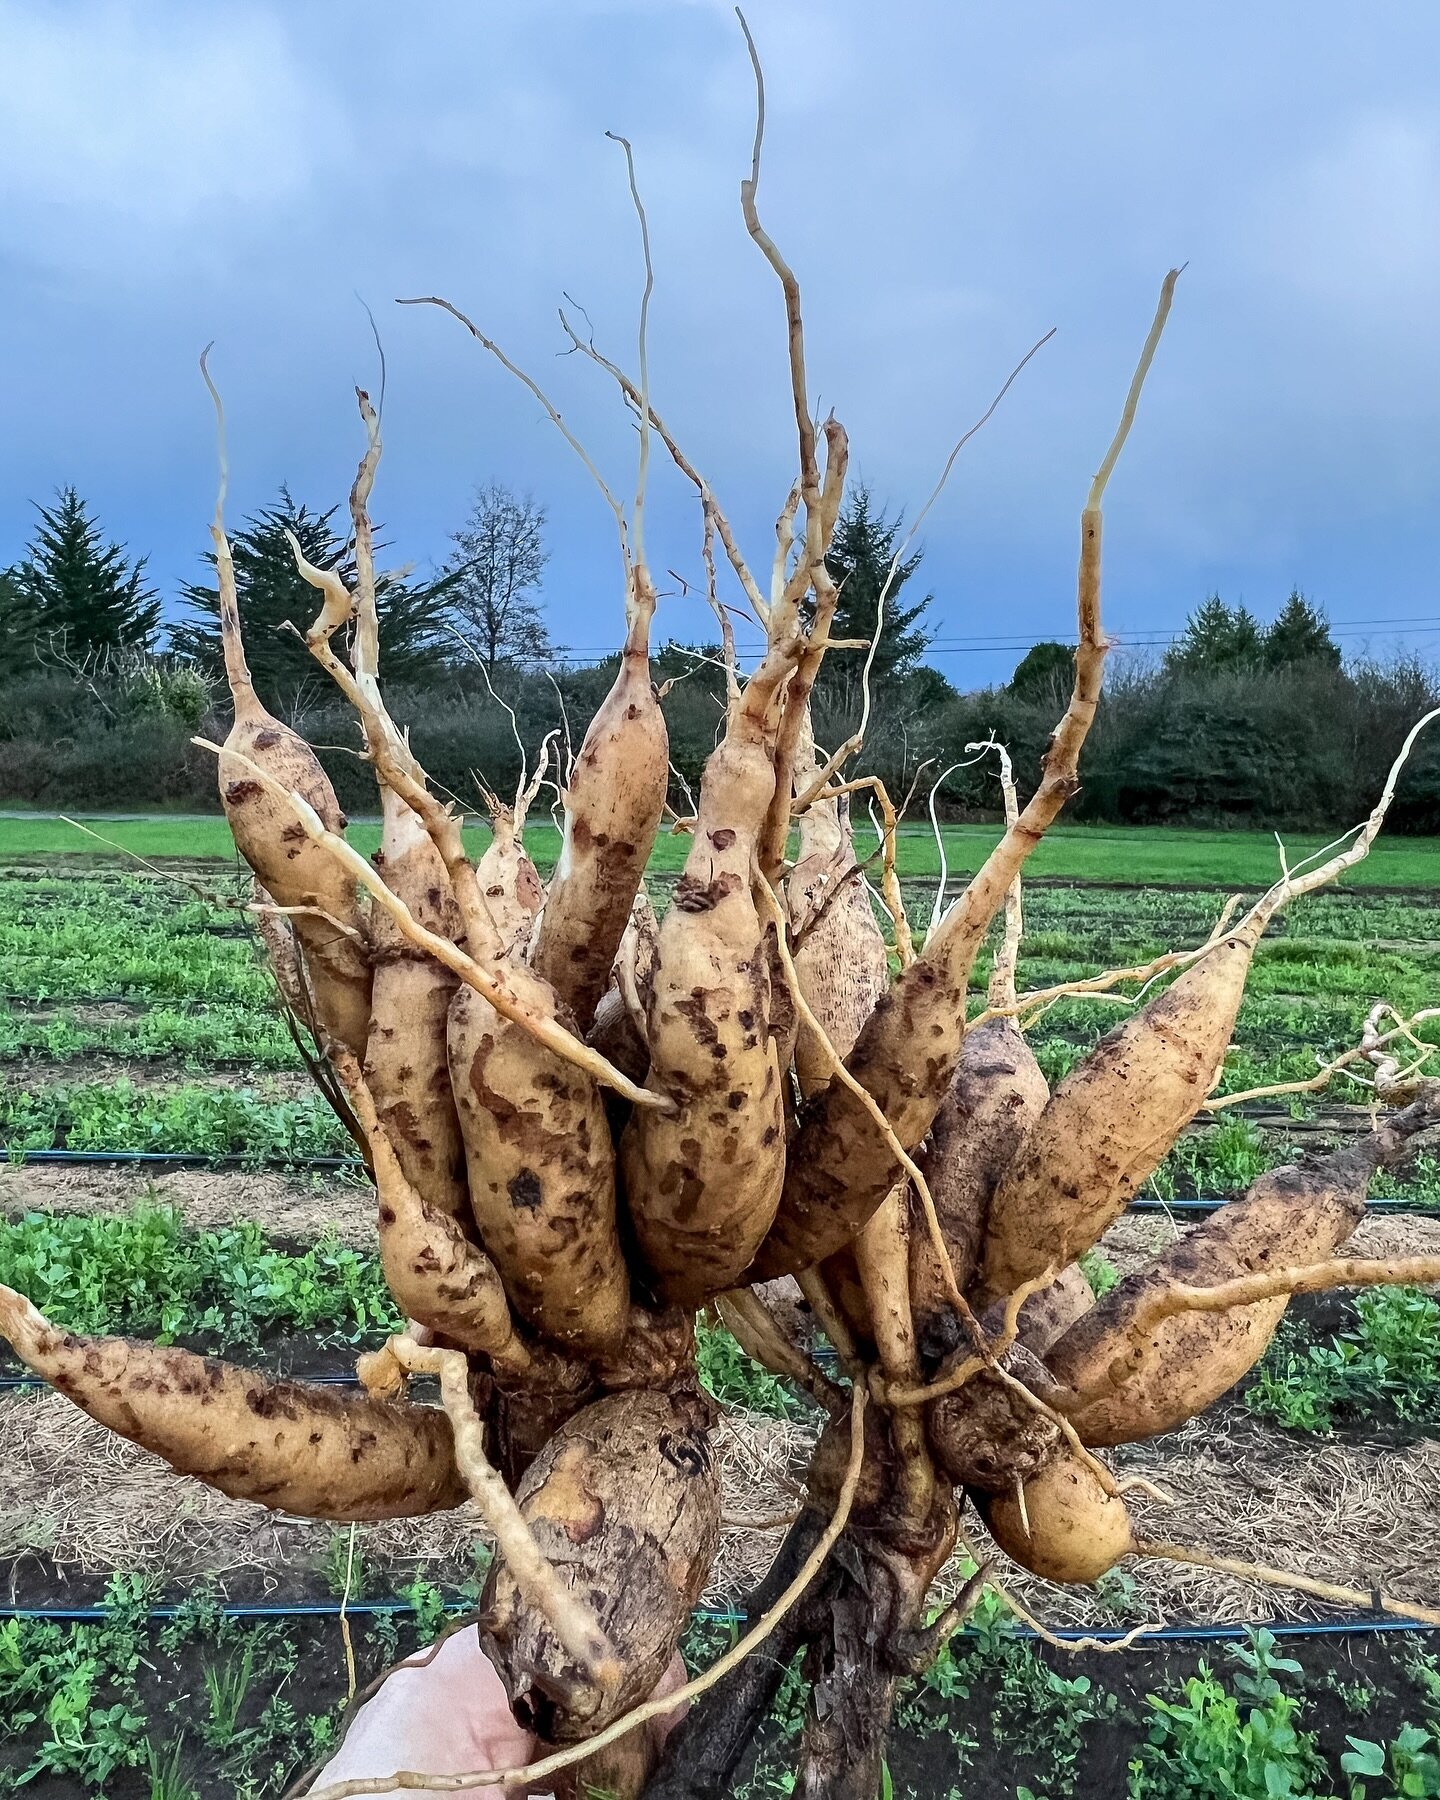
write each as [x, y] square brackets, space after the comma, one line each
[198, 1159]
[177, 1159]
[363, 1609]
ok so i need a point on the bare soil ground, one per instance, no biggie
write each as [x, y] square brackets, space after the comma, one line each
[294, 1206]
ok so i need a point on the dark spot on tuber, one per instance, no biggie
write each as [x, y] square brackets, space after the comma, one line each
[525, 1190]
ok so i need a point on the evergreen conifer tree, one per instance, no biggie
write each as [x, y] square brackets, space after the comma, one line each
[82, 596]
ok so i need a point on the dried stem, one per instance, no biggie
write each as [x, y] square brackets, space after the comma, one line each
[1002, 972]
[390, 751]
[971, 914]
[637, 515]
[686, 467]
[795, 328]
[1368, 1050]
[1373, 1601]
[555, 418]
[1293, 883]
[1028, 1007]
[1271, 1284]
[857, 738]
[754, 1327]
[568, 1616]
[237, 670]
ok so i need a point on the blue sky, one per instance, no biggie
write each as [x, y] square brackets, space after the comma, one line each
[949, 180]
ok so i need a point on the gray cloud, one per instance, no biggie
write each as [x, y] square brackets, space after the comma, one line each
[948, 179]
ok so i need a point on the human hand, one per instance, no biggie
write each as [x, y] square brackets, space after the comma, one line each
[450, 1717]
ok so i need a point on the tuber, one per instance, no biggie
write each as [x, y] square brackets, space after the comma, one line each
[613, 802]
[1119, 1387]
[406, 1065]
[1068, 1529]
[625, 1502]
[296, 1447]
[702, 1181]
[541, 1169]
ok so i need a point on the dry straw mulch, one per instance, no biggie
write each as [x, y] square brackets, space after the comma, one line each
[1361, 1515]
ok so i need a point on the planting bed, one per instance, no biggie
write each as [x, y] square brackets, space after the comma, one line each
[137, 1016]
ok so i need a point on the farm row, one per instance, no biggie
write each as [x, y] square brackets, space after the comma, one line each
[1258, 1716]
[137, 1016]
[126, 1007]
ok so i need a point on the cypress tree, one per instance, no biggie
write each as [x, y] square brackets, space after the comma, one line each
[1301, 634]
[273, 596]
[82, 596]
[859, 560]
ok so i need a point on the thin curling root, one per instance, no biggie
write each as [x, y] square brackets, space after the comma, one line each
[840, 1168]
[572, 1621]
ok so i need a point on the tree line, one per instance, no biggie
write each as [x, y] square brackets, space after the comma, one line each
[1240, 721]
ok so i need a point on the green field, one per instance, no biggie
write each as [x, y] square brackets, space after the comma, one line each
[1139, 855]
[136, 1012]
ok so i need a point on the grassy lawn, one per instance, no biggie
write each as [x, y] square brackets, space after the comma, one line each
[1131, 854]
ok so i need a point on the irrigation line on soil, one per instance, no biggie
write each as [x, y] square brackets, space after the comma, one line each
[197, 1159]
[1168, 1634]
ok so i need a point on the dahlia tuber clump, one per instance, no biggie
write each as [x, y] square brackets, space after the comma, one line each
[586, 1127]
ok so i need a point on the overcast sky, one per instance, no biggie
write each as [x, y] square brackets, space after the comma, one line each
[948, 179]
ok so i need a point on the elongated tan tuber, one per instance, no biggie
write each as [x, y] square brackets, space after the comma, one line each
[437, 1274]
[613, 802]
[541, 1170]
[405, 1056]
[268, 832]
[702, 1183]
[1111, 1121]
[840, 956]
[315, 1451]
[997, 1094]
[509, 882]
[1120, 1387]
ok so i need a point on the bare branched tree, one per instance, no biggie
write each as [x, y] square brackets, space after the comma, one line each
[499, 561]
